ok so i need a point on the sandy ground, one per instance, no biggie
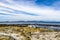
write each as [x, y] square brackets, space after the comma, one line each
[22, 33]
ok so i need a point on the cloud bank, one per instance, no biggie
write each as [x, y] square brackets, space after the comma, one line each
[17, 10]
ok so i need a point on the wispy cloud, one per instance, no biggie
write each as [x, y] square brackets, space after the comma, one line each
[28, 10]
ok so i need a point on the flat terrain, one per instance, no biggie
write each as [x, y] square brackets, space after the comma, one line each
[27, 33]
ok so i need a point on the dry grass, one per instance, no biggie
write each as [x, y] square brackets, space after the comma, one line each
[26, 32]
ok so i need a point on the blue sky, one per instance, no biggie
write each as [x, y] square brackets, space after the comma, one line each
[29, 10]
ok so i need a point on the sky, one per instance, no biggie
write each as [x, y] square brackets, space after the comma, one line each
[29, 10]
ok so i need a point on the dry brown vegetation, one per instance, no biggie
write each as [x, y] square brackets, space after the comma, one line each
[26, 32]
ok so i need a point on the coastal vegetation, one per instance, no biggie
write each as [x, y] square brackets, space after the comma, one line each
[24, 31]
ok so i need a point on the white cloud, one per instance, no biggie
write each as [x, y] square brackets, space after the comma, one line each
[45, 13]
